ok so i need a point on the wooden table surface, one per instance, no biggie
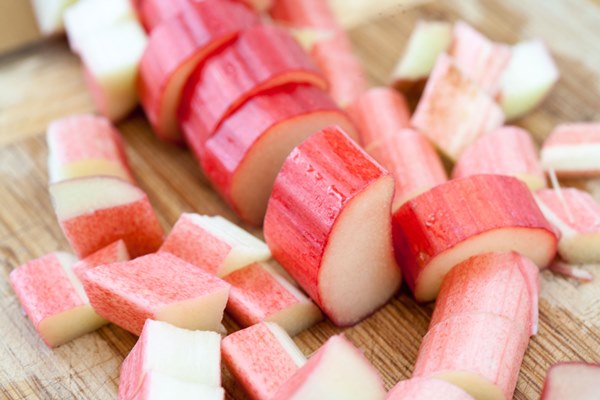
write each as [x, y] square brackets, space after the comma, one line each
[45, 82]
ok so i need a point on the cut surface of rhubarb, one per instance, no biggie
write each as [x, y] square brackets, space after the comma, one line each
[573, 150]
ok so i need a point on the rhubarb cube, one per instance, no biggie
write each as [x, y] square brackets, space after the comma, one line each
[114, 252]
[573, 150]
[426, 389]
[571, 380]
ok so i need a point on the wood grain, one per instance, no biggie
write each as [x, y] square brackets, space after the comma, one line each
[45, 82]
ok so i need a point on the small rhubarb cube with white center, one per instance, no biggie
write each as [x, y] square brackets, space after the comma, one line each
[413, 162]
[214, 244]
[157, 286]
[244, 156]
[258, 293]
[110, 59]
[378, 114]
[480, 353]
[572, 380]
[261, 358]
[328, 217]
[94, 212]
[193, 357]
[452, 222]
[338, 370]
[114, 252]
[453, 111]
[504, 284]
[85, 145]
[54, 299]
[577, 215]
[573, 150]
[508, 150]
[262, 57]
[199, 29]
[426, 389]
[427, 41]
[49, 14]
[527, 79]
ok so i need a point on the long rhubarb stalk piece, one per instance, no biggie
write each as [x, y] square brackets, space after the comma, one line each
[426, 389]
[329, 216]
[114, 252]
[573, 150]
[571, 380]
[465, 217]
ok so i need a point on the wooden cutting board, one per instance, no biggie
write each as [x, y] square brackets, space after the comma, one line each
[45, 82]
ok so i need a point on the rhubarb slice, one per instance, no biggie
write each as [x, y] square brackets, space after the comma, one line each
[328, 217]
[463, 218]
[573, 150]
[157, 386]
[453, 112]
[214, 244]
[261, 358]
[94, 212]
[577, 215]
[157, 286]
[338, 370]
[508, 150]
[199, 29]
[243, 157]
[571, 380]
[426, 389]
[49, 14]
[258, 293]
[85, 145]
[54, 299]
[480, 353]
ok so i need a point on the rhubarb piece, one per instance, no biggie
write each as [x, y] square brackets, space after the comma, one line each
[308, 37]
[261, 358]
[49, 14]
[157, 286]
[85, 145]
[243, 157]
[114, 252]
[304, 14]
[480, 353]
[465, 217]
[571, 380]
[193, 357]
[453, 112]
[214, 244]
[54, 299]
[378, 114]
[426, 389]
[110, 58]
[508, 150]
[480, 59]
[158, 386]
[261, 58]
[427, 41]
[577, 215]
[571, 271]
[199, 29]
[338, 370]
[85, 18]
[528, 78]
[413, 162]
[329, 216]
[94, 212]
[258, 293]
[153, 12]
[573, 150]
[504, 284]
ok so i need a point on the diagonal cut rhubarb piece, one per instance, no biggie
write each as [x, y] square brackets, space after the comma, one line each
[571, 380]
[114, 252]
[329, 217]
[573, 150]
[426, 389]
[452, 222]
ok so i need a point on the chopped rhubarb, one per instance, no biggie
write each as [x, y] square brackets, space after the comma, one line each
[573, 150]
[329, 217]
[508, 150]
[304, 14]
[261, 358]
[572, 380]
[54, 299]
[244, 156]
[571, 271]
[426, 389]
[452, 222]
[453, 111]
[157, 286]
[114, 252]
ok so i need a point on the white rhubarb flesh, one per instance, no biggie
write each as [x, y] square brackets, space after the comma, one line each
[158, 386]
[573, 150]
[573, 381]
[49, 14]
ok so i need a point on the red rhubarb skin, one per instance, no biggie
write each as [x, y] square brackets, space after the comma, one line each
[304, 14]
[128, 293]
[44, 289]
[257, 360]
[426, 389]
[200, 28]
[574, 134]
[135, 223]
[438, 220]
[194, 244]
[110, 254]
[378, 114]
[318, 179]
[153, 12]
[585, 210]
[132, 370]
[485, 344]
